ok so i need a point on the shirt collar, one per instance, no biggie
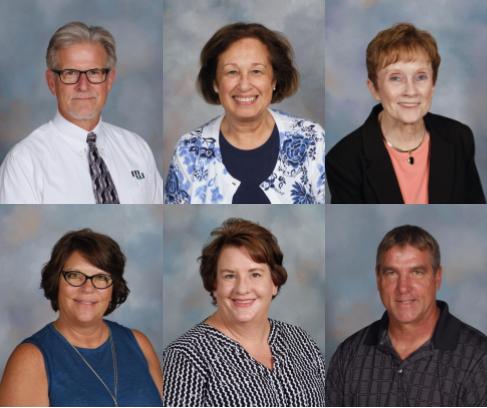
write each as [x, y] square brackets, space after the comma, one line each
[74, 134]
[445, 336]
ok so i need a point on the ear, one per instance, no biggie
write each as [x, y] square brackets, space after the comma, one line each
[274, 83]
[215, 87]
[51, 81]
[111, 78]
[438, 277]
[275, 289]
[373, 91]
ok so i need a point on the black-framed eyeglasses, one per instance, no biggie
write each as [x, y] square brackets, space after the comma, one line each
[77, 279]
[71, 76]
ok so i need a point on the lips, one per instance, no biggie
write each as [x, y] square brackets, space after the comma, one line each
[245, 100]
[405, 302]
[85, 302]
[409, 104]
[243, 302]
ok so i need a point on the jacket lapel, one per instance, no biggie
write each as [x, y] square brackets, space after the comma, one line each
[379, 172]
[442, 165]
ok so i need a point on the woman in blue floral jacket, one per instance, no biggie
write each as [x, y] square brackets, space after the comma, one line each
[250, 154]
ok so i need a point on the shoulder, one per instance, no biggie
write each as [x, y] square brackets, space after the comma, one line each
[352, 344]
[349, 146]
[125, 138]
[291, 333]
[451, 129]
[32, 144]
[193, 341]
[293, 124]
[472, 339]
[205, 134]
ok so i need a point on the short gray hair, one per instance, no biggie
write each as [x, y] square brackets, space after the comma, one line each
[77, 32]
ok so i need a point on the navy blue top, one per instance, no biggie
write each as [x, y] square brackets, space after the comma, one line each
[250, 167]
[72, 383]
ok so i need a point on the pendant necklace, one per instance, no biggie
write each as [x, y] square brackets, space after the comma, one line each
[408, 151]
[113, 394]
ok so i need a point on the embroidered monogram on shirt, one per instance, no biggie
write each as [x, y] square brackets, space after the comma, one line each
[138, 174]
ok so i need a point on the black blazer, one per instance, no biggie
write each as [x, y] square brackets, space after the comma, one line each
[359, 169]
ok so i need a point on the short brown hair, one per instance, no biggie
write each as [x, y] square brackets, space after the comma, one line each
[400, 41]
[281, 55]
[98, 249]
[409, 235]
[260, 243]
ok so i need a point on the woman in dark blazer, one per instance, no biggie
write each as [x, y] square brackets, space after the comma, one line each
[402, 153]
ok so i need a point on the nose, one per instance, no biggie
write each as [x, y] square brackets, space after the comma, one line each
[410, 87]
[403, 283]
[83, 83]
[244, 82]
[88, 286]
[242, 285]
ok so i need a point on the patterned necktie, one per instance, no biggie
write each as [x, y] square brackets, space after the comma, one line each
[103, 187]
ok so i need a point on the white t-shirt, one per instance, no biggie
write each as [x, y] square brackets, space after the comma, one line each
[50, 166]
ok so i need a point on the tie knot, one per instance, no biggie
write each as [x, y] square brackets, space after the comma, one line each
[91, 138]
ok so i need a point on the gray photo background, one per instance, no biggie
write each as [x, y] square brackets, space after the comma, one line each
[30, 232]
[461, 90]
[353, 234]
[135, 102]
[188, 25]
[300, 232]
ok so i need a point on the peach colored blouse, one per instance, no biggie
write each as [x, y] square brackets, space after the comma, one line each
[412, 178]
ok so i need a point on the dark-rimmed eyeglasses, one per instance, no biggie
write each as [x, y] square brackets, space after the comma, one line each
[77, 279]
[71, 76]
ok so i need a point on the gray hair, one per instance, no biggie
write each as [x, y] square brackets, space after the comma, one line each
[77, 32]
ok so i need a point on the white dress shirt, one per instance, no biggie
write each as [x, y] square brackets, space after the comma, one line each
[50, 166]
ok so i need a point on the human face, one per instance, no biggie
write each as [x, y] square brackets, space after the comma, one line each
[405, 90]
[245, 80]
[407, 285]
[83, 102]
[84, 304]
[244, 288]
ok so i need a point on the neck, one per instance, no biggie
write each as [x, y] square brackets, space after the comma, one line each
[86, 336]
[248, 333]
[250, 134]
[404, 136]
[407, 338]
[86, 124]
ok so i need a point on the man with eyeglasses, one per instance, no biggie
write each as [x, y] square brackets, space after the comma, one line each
[77, 157]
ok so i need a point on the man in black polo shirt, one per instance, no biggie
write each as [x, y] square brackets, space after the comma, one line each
[418, 354]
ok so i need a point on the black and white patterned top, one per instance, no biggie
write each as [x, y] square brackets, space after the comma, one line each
[206, 368]
[448, 370]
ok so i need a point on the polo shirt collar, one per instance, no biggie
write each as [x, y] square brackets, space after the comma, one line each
[72, 133]
[445, 336]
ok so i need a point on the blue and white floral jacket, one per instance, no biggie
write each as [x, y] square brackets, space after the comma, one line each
[197, 174]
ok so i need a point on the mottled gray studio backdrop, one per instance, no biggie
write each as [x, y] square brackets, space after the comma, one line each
[300, 231]
[460, 28]
[352, 236]
[135, 102]
[28, 234]
[188, 25]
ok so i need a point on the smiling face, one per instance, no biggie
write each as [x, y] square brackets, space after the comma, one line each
[244, 288]
[84, 304]
[405, 90]
[83, 102]
[245, 80]
[407, 285]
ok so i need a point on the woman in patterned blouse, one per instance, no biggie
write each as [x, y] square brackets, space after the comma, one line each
[238, 356]
[250, 154]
